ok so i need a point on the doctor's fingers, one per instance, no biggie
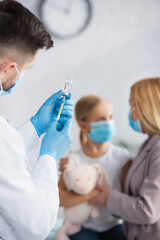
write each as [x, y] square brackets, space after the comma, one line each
[66, 102]
[69, 102]
[66, 130]
[66, 133]
[69, 96]
[51, 100]
[66, 114]
[65, 107]
[67, 126]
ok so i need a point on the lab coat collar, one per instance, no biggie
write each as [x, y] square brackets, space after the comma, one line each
[2, 115]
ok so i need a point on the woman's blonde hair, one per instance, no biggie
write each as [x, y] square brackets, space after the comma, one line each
[146, 96]
[82, 108]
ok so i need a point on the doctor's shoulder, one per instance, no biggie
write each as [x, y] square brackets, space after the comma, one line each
[11, 142]
[7, 131]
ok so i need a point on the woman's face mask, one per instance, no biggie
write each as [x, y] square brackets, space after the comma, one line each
[102, 131]
[135, 125]
[3, 92]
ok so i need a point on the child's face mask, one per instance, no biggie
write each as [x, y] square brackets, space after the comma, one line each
[103, 131]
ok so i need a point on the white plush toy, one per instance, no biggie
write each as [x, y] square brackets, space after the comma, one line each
[80, 179]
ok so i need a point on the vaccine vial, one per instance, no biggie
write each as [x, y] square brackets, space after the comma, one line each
[67, 86]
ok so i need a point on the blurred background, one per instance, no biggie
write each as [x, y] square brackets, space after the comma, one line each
[119, 44]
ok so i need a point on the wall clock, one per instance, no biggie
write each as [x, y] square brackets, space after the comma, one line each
[65, 18]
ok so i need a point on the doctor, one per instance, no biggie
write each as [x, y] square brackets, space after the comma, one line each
[29, 196]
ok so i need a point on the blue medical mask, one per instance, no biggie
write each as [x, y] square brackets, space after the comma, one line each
[135, 125]
[103, 131]
[3, 92]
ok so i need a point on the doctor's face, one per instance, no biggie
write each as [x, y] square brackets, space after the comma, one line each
[10, 74]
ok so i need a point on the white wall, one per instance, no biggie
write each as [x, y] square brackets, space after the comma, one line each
[121, 45]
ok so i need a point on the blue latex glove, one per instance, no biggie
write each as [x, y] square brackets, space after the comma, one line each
[56, 143]
[67, 110]
[49, 111]
[61, 123]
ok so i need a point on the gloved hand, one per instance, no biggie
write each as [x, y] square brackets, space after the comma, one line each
[49, 111]
[56, 143]
[67, 110]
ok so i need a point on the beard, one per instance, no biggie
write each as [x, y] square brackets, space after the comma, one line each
[9, 82]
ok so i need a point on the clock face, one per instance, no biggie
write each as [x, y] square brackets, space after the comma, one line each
[65, 18]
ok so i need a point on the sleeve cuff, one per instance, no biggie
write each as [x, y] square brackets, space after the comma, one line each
[112, 202]
[46, 167]
[29, 135]
[32, 143]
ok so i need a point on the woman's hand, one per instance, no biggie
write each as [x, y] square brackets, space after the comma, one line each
[69, 198]
[102, 197]
[94, 193]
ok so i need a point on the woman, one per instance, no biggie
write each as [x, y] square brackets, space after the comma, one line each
[139, 206]
[95, 118]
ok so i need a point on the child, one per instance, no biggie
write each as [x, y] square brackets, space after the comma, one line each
[96, 121]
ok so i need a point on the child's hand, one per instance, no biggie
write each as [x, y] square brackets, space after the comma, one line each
[102, 197]
[92, 194]
[62, 164]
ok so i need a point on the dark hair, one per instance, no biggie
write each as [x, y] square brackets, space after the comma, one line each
[21, 29]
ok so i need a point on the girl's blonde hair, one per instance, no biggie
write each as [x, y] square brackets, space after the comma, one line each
[82, 108]
[146, 96]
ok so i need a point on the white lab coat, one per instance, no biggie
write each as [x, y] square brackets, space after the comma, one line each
[28, 195]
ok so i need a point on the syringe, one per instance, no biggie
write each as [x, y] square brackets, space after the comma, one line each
[60, 110]
[66, 90]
